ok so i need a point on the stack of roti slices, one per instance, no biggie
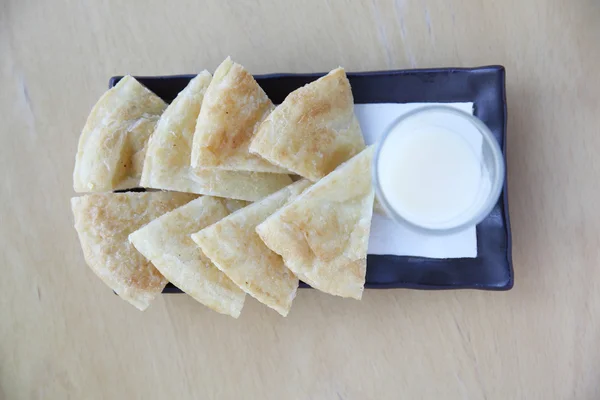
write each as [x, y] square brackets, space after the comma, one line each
[221, 217]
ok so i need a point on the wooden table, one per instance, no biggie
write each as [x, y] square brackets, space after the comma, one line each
[63, 334]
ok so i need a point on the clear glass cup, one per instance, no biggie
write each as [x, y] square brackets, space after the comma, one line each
[491, 164]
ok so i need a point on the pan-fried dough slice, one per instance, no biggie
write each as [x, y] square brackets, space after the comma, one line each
[113, 142]
[170, 146]
[167, 243]
[234, 105]
[234, 247]
[323, 234]
[242, 185]
[314, 130]
[167, 163]
[104, 221]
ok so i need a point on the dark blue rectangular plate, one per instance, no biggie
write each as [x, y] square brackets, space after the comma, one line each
[485, 87]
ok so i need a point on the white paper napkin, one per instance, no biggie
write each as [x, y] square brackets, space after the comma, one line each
[387, 237]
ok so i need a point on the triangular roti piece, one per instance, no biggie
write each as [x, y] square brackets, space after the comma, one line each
[113, 142]
[167, 163]
[234, 105]
[103, 223]
[234, 247]
[167, 243]
[323, 234]
[314, 130]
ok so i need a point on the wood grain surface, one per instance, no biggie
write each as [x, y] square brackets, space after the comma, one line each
[63, 334]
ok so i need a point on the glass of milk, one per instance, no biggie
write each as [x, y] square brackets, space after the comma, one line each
[438, 170]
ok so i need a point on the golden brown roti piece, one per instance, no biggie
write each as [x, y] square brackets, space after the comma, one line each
[167, 243]
[103, 223]
[167, 163]
[323, 234]
[234, 247]
[113, 142]
[234, 105]
[314, 130]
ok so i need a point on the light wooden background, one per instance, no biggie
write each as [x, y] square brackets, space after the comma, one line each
[64, 335]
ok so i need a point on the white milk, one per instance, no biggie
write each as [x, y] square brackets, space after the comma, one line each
[431, 175]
